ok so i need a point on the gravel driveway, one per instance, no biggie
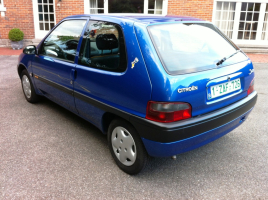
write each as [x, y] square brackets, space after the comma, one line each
[46, 152]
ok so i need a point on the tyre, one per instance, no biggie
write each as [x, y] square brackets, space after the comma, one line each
[27, 87]
[126, 147]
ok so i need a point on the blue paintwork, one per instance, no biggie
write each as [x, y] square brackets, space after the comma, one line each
[57, 71]
[125, 90]
[130, 91]
[26, 61]
[157, 149]
[145, 19]
[165, 86]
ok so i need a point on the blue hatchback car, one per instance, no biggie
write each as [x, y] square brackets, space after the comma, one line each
[157, 86]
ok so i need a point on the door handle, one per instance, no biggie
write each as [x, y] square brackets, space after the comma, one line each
[73, 74]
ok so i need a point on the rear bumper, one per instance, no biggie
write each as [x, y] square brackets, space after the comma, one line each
[162, 139]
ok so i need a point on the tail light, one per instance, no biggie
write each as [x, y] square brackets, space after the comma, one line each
[251, 87]
[168, 112]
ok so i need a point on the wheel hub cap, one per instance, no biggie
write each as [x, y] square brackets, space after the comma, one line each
[124, 146]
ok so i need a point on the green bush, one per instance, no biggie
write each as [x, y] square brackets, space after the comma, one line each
[15, 34]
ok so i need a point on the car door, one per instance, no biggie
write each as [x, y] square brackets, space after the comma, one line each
[103, 75]
[54, 66]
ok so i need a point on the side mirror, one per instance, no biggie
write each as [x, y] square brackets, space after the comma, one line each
[30, 50]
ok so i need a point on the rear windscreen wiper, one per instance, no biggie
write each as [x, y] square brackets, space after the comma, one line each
[225, 58]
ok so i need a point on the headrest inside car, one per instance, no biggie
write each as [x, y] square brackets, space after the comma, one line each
[106, 42]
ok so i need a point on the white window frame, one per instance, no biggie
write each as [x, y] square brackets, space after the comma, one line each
[2, 8]
[40, 34]
[258, 40]
[164, 8]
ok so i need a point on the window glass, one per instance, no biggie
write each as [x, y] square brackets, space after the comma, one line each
[225, 14]
[62, 42]
[191, 47]
[265, 25]
[155, 6]
[96, 6]
[103, 47]
[125, 6]
[248, 21]
[46, 14]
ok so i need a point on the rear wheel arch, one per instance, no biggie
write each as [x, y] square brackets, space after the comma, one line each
[107, 119]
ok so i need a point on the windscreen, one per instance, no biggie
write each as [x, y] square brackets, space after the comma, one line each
[191, 47]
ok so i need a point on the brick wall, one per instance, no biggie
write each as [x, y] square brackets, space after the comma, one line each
[68, 7]
[19, 14]
[195, 8]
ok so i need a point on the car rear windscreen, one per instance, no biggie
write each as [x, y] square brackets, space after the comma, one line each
[191, 47]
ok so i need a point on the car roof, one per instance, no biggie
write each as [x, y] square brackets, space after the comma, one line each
[146, 19]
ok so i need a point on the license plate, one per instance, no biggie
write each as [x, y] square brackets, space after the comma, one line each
[225, 88]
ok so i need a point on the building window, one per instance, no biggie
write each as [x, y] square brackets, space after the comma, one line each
[225, 13]
[96, 6]
[265, 25]
[1, 3]
[2, 8]
[244, 22]
[127, 6]
[155, 6]
[249, 17]
[46, 14]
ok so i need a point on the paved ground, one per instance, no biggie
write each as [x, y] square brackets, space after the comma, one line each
[47, 152]
[258, 58]
[9, 51]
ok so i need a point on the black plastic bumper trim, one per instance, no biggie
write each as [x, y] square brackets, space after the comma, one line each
[171, 132]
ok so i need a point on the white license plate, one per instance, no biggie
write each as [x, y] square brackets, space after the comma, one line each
[225, 88]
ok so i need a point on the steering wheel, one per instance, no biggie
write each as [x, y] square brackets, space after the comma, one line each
[56, 51]
[72, 44]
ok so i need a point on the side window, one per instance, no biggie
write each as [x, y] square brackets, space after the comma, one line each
[103, 47]
[62, 42]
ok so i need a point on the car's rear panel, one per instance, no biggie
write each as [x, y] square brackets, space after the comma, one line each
[193, 88]
[199, 98]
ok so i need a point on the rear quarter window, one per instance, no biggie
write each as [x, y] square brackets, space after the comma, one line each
[103, 47]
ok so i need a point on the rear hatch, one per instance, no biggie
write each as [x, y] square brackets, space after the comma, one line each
[210, 90]
[200, 65]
